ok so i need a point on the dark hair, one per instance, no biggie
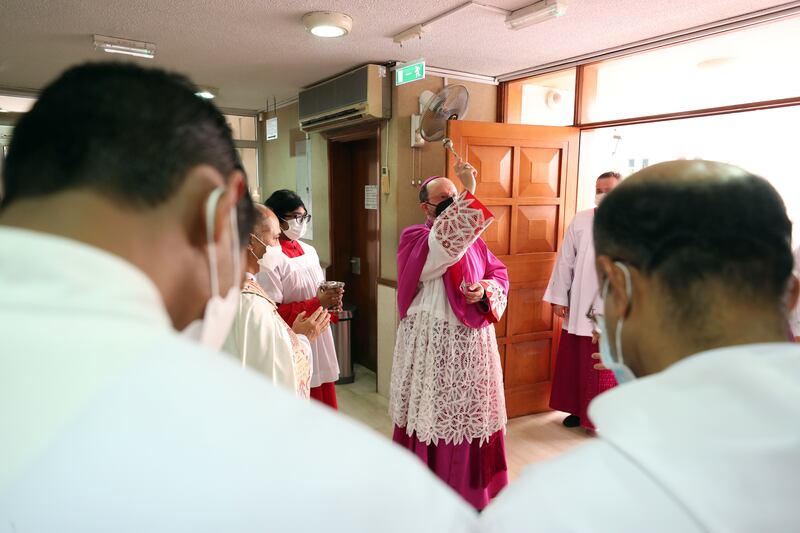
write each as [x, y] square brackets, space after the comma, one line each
[730, 233]
[608, 175]
[424, 196]
[283, 202]
[127, 132]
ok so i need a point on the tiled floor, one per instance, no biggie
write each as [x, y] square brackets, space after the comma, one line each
[528, 439]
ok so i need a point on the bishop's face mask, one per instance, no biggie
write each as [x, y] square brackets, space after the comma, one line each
[213, 328]
[612, 361]
[441, 206]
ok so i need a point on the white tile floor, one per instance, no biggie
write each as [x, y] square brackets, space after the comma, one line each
[528, 439]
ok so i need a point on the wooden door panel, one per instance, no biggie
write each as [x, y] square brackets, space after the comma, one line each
[525, 400]
[537, 228]
[540, 172]
[527, 312]
[528, 178]
[527, 363]
[528, 268]
[493, 164]
[497, 236]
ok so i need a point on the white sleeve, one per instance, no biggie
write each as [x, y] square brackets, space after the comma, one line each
[453, 232]
[561, 279]
[272, 281]
[265, 349]
[598, 480]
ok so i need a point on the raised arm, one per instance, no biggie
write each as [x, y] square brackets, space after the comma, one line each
[453, 232]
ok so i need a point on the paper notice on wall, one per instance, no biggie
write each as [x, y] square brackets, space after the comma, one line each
[272, 128]
[370, 197]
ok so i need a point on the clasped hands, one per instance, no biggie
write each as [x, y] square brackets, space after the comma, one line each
[312, 326]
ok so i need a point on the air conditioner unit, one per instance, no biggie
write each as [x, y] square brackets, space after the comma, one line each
[358, 96]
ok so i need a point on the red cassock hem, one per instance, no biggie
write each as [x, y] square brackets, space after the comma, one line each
[326, 393]
[575, 381]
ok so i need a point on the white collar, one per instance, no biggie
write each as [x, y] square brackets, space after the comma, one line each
[58, 273]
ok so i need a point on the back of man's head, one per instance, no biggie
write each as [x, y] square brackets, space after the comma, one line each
[712, 234]
[128, 159]
[126, 132]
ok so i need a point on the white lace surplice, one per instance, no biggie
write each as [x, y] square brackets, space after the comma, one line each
[296, 279]
[447, 381]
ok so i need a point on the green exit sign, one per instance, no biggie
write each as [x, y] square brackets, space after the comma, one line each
[409, 73]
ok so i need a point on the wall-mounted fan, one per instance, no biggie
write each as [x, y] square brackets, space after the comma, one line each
[451, 103]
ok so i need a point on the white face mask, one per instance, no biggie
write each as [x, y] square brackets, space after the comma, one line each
[213, 328]
[297, 229]
[599, 198]
[615, 364]
[271, 258]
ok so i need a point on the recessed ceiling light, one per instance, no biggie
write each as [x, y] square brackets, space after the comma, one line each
[115, 45]
[327, 24]
[206, 92]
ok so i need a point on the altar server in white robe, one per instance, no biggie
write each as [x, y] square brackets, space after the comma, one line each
[701, 434]
[260, 338]
[118, 230]
[572, 287]
[294, 283]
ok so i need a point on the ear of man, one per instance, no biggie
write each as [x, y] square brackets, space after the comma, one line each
[201, 181]
[616, 285]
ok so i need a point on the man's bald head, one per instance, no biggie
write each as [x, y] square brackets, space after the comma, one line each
[701, 228]
[267, 225]
[434, 192]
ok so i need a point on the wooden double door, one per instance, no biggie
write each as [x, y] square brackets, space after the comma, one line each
[527, 177]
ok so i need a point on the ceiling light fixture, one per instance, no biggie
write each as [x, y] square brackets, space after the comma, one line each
[115, 45]
[204, 91]
[327, 24]
[411, 33]
[535, 13]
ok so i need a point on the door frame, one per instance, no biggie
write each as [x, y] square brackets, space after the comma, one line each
[368, 131]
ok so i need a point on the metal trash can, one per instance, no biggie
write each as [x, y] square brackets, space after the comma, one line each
[341, 340]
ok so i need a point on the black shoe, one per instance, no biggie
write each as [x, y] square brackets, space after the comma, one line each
[572, 421]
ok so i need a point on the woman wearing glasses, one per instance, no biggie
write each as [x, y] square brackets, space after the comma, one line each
[293, 280]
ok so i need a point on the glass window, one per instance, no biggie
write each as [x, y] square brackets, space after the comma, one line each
[546, 100]
[17, 104]
[731, 138]
[242, 127]
[249, 158]
[749, 65]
